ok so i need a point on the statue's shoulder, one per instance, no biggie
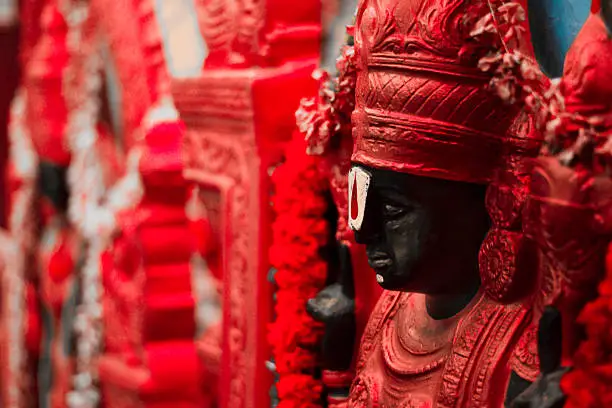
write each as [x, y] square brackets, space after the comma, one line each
[484, 345]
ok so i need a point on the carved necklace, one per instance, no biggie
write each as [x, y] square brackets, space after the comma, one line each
[415, 344]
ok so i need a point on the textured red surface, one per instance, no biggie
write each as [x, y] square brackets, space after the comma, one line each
[234, 135]
[127, 56]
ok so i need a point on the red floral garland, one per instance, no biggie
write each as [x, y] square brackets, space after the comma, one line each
[299, 232]
[588, 384]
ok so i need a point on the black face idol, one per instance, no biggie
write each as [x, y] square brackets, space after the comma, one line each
[422, 234]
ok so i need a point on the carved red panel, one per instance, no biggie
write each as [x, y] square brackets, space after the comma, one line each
[238, 121]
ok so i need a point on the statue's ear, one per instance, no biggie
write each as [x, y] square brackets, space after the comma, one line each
[554, 25]
[606, 14]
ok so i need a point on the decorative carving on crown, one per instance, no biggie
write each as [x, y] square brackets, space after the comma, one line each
[435, 27]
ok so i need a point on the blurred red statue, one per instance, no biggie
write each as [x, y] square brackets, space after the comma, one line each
[47, 116]
[234, 261]
[40, 278]
[568, 214]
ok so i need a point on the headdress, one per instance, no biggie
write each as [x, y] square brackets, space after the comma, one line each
[423, 106]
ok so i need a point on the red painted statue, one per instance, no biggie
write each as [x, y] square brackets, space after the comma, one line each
[435, 172]
[39, 224]
[58, 245]
[439, 164]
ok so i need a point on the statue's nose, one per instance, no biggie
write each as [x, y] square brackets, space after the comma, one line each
[368, 234]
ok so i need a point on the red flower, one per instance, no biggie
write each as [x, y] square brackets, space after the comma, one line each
[299, 233]
[588, 384]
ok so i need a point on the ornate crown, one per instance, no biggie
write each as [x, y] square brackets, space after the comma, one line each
[422, 101]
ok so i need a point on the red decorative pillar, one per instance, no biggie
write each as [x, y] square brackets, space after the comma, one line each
[239, 114]
[150, 358]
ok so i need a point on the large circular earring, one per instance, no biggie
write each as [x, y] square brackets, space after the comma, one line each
[507, 259]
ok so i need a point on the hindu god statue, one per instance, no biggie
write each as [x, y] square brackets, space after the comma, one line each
[468, 239]
[435, 193]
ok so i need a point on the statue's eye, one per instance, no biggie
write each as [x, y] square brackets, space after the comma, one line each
[394, 211]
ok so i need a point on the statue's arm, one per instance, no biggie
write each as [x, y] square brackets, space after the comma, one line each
[517, 386]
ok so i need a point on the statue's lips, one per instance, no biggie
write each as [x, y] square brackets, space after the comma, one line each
[380, 264]
[380, 260]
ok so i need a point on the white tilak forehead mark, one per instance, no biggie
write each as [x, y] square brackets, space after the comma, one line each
[359, 183]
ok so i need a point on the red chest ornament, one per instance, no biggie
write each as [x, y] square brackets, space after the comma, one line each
[410, 360]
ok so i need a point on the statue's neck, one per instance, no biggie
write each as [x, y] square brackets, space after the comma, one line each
[445, 306]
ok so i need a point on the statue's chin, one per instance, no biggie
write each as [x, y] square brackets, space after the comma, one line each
[389, 281]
